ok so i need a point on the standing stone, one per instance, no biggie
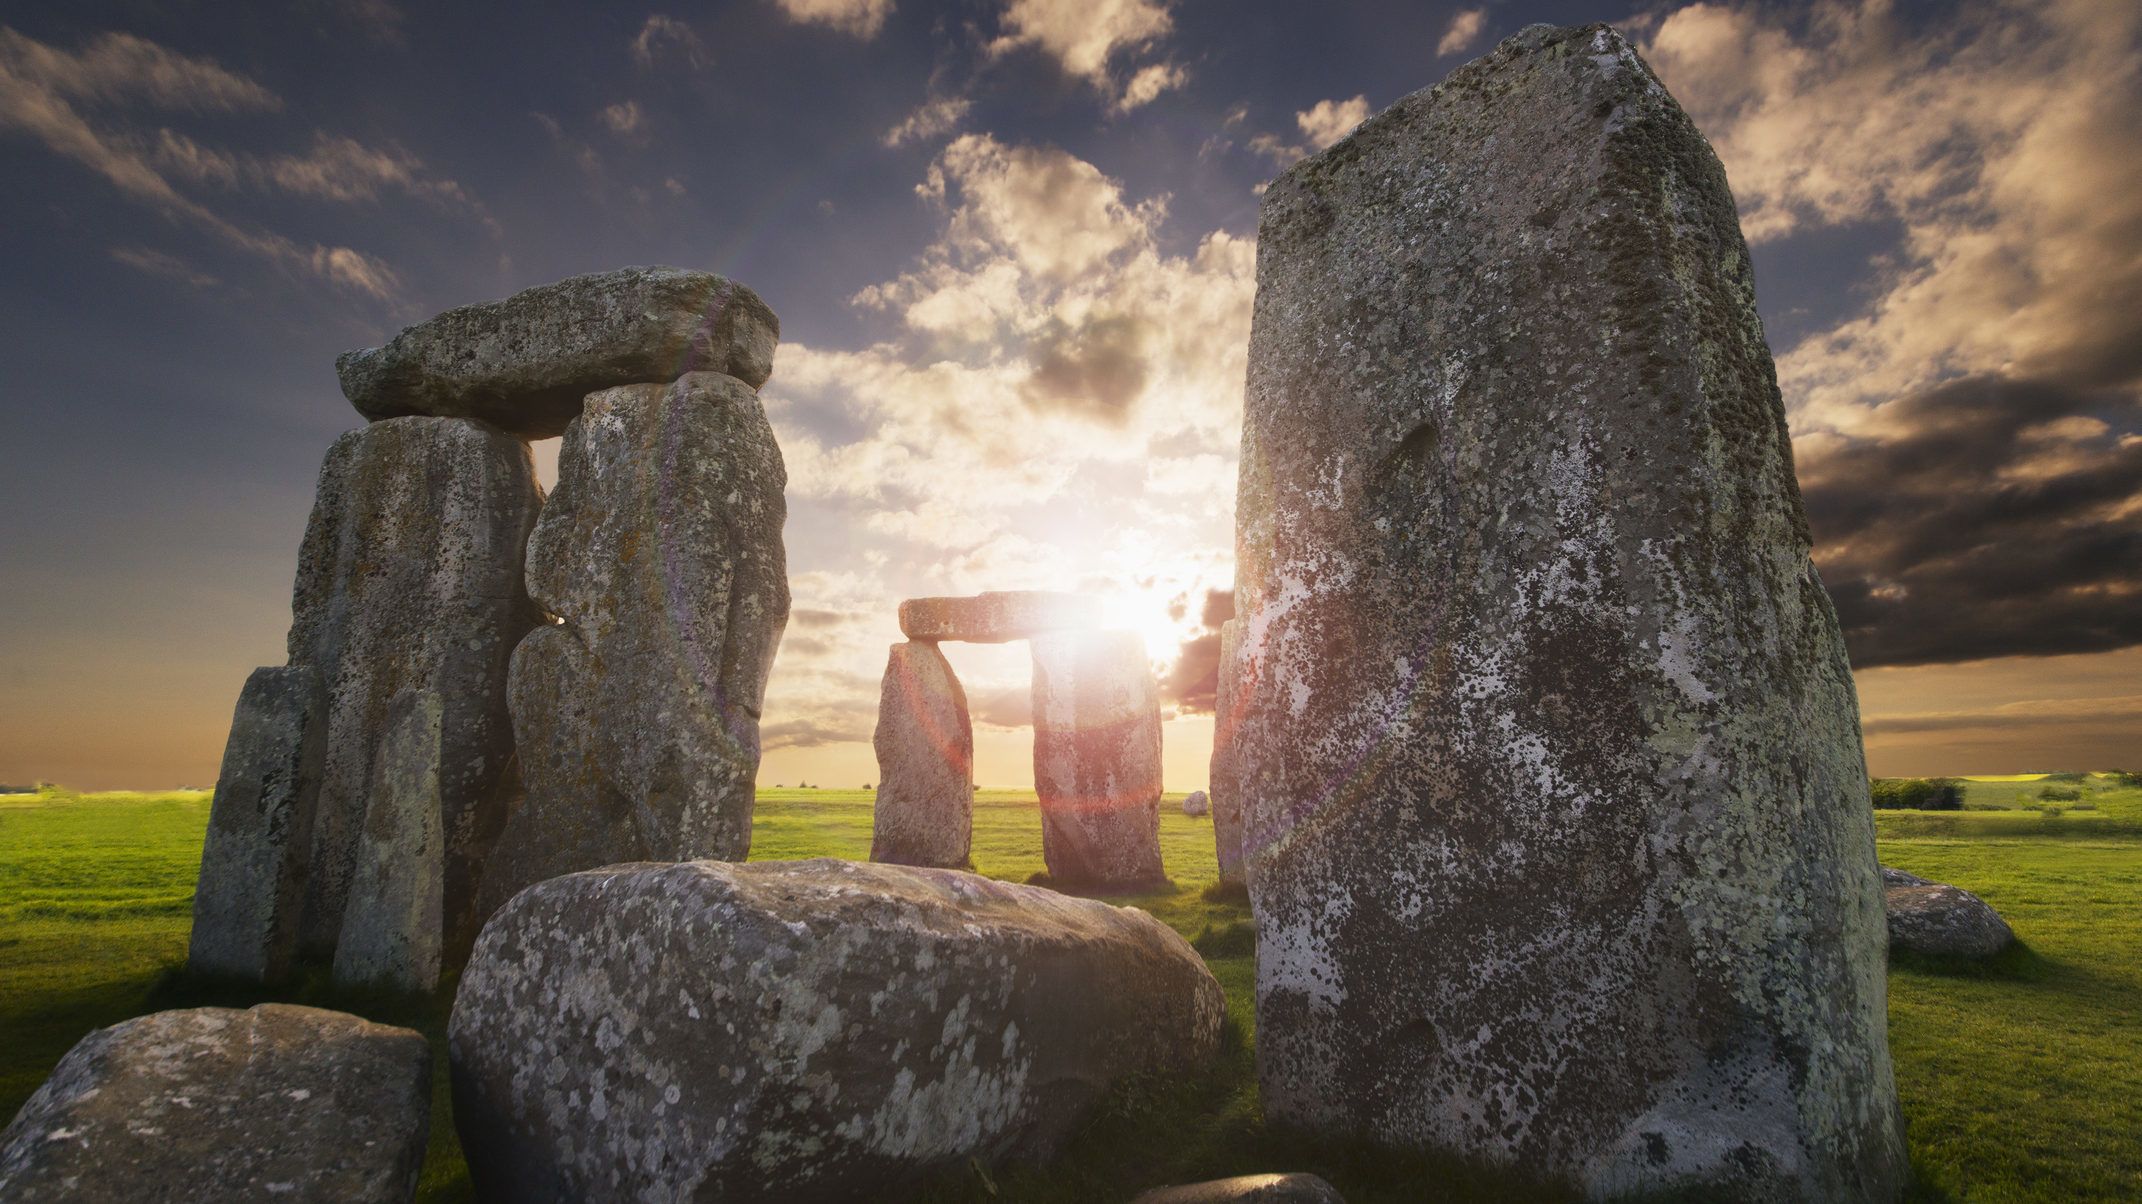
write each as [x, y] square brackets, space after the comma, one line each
[274, 1103]
[410, 578]
[393, 924]
[638, 715]
[802, 1030]
[526, 363]
[1550, 757]
[1226, 788]
[1097, 760]
[997, 617]
[924, 813]
[252, 882]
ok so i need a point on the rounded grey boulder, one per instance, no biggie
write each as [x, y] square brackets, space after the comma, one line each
[1939, 920]
[1196, 803]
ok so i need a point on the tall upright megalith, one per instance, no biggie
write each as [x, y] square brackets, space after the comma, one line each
[1547, 743]
[924, 810]
[1097, 760]
[1226, 789]
[637, 715]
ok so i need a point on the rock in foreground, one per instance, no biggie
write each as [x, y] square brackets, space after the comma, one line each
[275, 1103]
[525, 364]
[997, 617]
[1248, 1189]
[806, 1030]
[1939, 920]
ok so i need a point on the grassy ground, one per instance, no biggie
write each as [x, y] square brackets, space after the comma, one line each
[2020, 1082]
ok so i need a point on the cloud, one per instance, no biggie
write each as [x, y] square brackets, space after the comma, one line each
[159, 263]
[2122, 710]
[1148, 83]
[1192, 683]
[663, 36]
[863, 18]
[625, 120]
[934, 117]
[379, 19]
[1086, 36]
[1321, 124]
[1465, 30]
[119, 67]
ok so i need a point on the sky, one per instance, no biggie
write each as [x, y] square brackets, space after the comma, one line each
[1012, 245]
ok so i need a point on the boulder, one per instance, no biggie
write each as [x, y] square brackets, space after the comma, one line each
[637, 715]
[526, 363]
[410, 579]
[393, 923]
[1892, 879]
[1097, 760]
[274, 1103]
[1938, 920]
[1526, 599]
[804, 1030]
[924, 812]
[1196, 803]
[1226, 788]
[997, 617]
[1248, 1189]
[252, 881]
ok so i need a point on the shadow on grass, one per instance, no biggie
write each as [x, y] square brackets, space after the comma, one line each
[1237, 938]
[2017, 963]
[1226, 892]
[1116, 894]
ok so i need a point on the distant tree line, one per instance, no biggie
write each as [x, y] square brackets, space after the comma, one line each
[1917, 794]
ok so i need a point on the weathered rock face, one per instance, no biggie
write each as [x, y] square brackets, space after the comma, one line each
[1248, 1189]
[410, 578]
[252, 883]
[526, 363]
[1895, 878]
[275, 1103]
[1939, 920]
[1196, 803]
[1526, 598]
[638, 716]
[997, 617]
[1097, 760]
[394, 923]
[808, 1030]
[924, 814]
[1226, 784]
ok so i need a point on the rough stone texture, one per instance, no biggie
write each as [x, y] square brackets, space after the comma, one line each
[924, 813]
[1562, 853]
[1226, 783]
[997, 617]
[1097, 760]
[1248, 1189]
[275, 1103]
[410, 579]
[252, 882]
[526, 363]
[394, 922]
[1895, 878]
[1196, 803]
[638, 716]
[810, 1030]
[1940, 920]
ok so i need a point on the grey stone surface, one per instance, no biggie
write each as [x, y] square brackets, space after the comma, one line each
[1895, 878]
[997, 617]
[809, 1030]
[1248, 1189]
[1197, 803]
[638, 716]
[252, 883]
[275, 1103]
[411, 578]
[526, 363]
[924, 811]
[1097, 760]
[1226, 783]
[1562, 853]
[393, 925]
[1939, 920]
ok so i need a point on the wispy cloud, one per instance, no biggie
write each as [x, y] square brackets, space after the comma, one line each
[862, 18]
[1087, 37]
[1463, 32]
[158, 263]
[2119, 711]
[664, 37]
[1321, 124]
[933, 118]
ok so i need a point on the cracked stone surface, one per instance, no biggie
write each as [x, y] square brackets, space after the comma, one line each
[1526, 598]
[274, 1103]
[807, 1030]
[394, 925]
[924, 810]
[1097, 760]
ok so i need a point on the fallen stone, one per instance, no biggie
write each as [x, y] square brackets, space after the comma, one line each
[1938, 920]
[806, 1030]
[1248, 1189]
[1526, 598]
[393, 924]
[526, 363]
[1895, 878]
[638, 715]
[252, 881]
[1226, 786]
[997, 617]
[274, 1103]
[924, 812]
[1097, 760]
[410, 579]
[1196, 803]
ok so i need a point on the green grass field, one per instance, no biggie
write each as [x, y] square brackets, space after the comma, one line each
[2021, 1081]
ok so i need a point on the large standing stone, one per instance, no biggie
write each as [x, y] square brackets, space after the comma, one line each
[1097, 760]
[924, 813]
[1226, 786]
[410, 578]
[252, 881]
[527, 362]
[275, 1103]
[805, 1030]
[638, 716]
[1562, 856]
[997, 617]
[393, 924]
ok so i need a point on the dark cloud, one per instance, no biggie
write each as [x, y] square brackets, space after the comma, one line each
[2122, 711]
[810, 733]
[1194, 680]
[1097, 369]
[1001, 706]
